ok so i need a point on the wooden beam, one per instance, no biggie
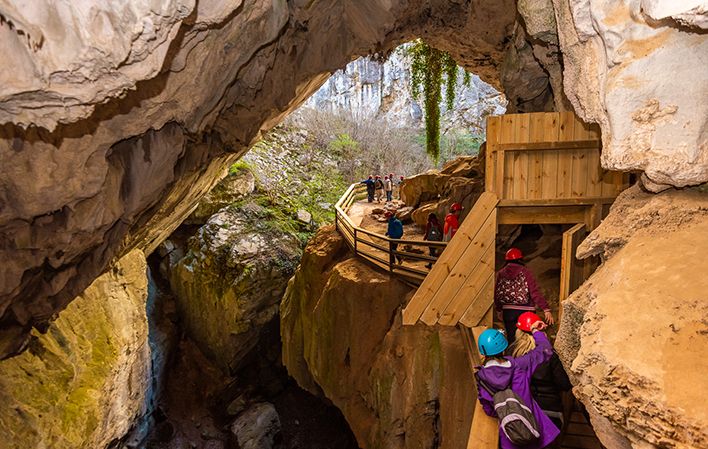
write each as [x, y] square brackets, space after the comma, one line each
[541, 215]
[550, 145]
[557, 202]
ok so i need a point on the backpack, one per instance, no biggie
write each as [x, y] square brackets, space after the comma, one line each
[396, 229]
[516, 419]
[514, 291]
[434, 234]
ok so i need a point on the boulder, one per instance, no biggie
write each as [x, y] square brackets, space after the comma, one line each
[423, 187]
[633, 337]
[231, 279]
[464, 166]
[404, 214]
[304, 216]
[257, 427]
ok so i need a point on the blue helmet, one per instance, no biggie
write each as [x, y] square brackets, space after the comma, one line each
[492, 342]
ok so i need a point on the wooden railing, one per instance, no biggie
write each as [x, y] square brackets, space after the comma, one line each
[380, 250]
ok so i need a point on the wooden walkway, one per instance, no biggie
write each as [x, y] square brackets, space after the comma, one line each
[539, 168]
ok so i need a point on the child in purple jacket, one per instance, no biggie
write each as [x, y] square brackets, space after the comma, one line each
[500, 372]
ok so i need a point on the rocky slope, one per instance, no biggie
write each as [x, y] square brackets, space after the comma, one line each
[634, 335]
[124, 129]
[398, 387]
[86, 381]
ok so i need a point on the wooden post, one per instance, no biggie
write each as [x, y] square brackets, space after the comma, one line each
[484, 431]
[390, 255]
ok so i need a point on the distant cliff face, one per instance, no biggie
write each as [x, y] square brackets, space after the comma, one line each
[368, 87]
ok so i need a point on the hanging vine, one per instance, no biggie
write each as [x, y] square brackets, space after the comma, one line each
[428, 66]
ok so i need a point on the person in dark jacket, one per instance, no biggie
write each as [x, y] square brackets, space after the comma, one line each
[516, 292]
[501, 372]
[433, 233]
[379, 186]
[370, 187]
[549, 380]
[394, 231]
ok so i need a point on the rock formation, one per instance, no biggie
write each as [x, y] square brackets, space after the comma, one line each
[230, 281]
[398, 387]
[123, 135]
[83, 383]
[634, 335]
[368, 87]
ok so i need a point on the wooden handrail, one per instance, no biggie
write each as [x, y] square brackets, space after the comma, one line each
[380, 252]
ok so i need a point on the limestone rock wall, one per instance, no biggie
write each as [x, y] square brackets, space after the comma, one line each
[84, 382]
[634, 335]
[634, 70]
[398, 387]
[122, 118]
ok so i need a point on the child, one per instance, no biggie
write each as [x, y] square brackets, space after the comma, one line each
[500, 373]
[433, 233]
[550, 379]
[516, 292]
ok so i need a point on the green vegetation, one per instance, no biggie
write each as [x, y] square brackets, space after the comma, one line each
[427, 69]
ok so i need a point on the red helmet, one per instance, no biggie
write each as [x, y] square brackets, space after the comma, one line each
[455, 207]
[388, 214]
[401, 177]
[527, 319]
[513, 254]
[391, 175]
[378, 177]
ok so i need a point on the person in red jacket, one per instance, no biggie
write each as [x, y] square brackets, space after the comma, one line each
[516, 292]
[452, 223]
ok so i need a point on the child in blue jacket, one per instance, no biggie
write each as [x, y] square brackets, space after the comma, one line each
[501, 372]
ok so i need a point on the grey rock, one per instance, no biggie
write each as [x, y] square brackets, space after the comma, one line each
[257, 427]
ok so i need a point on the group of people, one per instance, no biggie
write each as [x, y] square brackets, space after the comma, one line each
[377, 187]
[521, 378]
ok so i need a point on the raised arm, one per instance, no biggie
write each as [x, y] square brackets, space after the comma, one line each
[541, 353]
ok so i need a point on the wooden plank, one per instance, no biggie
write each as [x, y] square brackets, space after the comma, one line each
[442, 268]
[556, 202]
[463, 268]
[550, 145]
[521, 159]
[579, 173]
[566, 131]
[484, 430]
[504, 167]
[567, 265]
[580, 429]
[493, 129]
[541, 215]
[594, 187]
[472, 286]
[536, 136]
[476, 311]
[580, 442]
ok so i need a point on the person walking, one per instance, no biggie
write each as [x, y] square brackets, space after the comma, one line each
[388, 187]
[394, 231]
[452, 221]
[549, 381]
[516, 291]
[433, 233]
[504, 385]
[400, 184]
[378, 184]
[369, 188]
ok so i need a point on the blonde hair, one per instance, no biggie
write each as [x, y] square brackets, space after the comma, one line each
[523, 345]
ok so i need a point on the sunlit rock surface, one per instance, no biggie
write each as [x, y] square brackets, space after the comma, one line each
[634, 336]
[643, 80]
[84, 382]
[398, 387]
[370, 88]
